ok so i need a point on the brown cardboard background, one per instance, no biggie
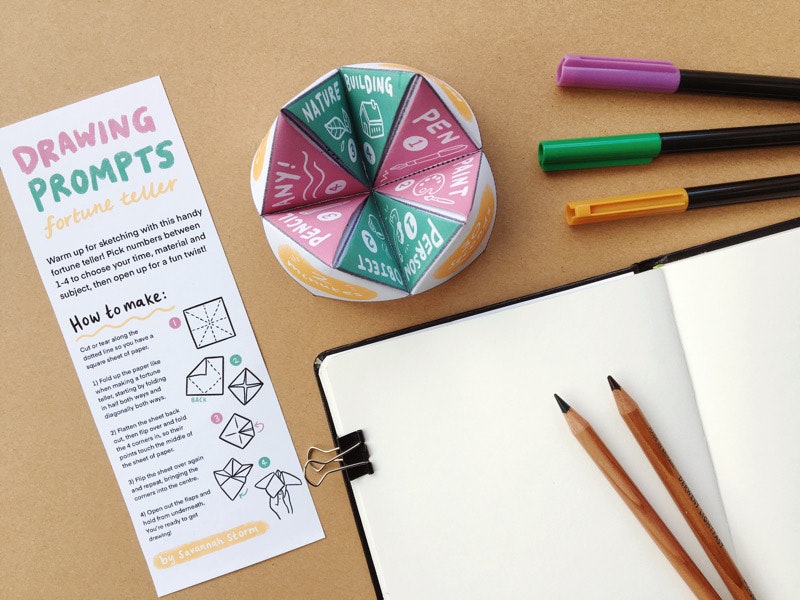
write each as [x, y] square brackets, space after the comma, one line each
[227, 68]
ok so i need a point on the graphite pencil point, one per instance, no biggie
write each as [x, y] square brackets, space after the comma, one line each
[561, 404]
[613, 383]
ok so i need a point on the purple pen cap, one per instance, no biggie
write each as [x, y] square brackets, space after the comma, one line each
[618, 73]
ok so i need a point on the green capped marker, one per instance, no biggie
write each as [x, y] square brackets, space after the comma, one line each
[642, 148]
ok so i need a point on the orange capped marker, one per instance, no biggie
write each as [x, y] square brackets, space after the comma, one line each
[680, 199]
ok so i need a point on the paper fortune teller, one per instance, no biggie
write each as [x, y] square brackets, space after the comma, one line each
[372, 185]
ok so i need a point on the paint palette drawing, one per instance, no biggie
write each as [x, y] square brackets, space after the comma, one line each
[372, 184]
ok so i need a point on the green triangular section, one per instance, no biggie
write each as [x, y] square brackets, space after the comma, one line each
[324, 112]
[368, 254]
[417, 236]
[375, 97]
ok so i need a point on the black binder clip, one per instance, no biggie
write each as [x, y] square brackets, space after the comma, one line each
[352, 457]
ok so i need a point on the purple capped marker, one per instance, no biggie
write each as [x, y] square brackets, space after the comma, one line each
[618, 74]
[661, 76]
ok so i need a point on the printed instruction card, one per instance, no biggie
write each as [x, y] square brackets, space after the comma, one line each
[151, 315]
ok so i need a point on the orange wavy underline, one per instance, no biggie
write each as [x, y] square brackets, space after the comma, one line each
[125, 322]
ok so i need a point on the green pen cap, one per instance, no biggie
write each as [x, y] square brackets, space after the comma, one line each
[607, 151]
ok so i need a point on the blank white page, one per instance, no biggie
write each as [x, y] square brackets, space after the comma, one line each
[738, 313]
[480, 490]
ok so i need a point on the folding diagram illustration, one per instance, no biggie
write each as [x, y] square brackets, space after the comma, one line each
[276, 485]
[245, 386]
[232, 477]
[239, 431]
[206, 379]
[209, 323]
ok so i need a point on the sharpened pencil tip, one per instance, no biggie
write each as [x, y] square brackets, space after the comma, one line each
[613, 383]
[561, 404]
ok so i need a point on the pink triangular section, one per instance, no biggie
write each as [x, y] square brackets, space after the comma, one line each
[301, 173]
[448, 189]
[319, 229]
[427, 134]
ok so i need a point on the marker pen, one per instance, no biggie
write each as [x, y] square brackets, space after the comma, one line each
[642, 148]
[662, 76]
[680, 200]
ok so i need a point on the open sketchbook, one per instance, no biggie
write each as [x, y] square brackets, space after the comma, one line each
[478, 488]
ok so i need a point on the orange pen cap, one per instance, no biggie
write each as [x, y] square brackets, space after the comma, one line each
[628, 206]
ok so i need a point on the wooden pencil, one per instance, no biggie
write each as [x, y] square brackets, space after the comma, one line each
[680, 492]
[637, 503]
